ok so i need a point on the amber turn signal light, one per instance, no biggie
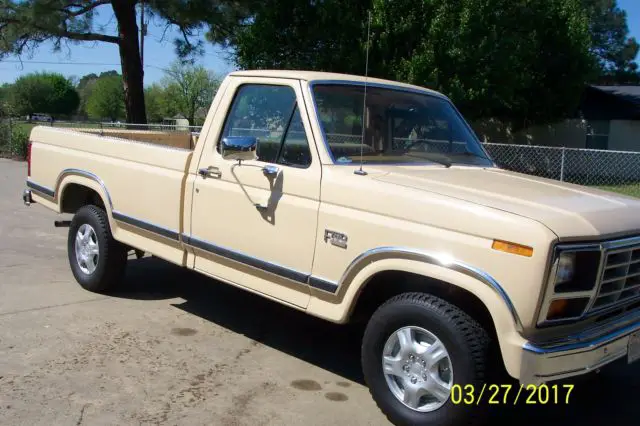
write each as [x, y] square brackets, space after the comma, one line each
[567, 308]
[557, 309]
[512, 248]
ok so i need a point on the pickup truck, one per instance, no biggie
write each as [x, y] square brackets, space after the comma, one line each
[360, 199]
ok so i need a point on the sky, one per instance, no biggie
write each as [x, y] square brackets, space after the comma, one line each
[632, 7]
[80, 59]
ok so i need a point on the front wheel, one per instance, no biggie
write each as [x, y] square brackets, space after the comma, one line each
[96, 259]
[415, 349]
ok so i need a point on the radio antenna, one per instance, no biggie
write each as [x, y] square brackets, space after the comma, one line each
[364, 100]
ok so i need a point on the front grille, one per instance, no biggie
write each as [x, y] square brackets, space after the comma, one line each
[619, 278]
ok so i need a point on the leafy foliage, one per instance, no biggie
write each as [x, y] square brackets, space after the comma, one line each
[520, 60]
[43, 93]
[190, 89]
[158, 106]
[524, 61]
[5, 104]
[19, 141]
[186, 90]
[85, 87]
[291, 34]
[219, 17]
[106, 99]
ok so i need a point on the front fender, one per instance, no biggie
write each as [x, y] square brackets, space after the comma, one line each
[473, 280]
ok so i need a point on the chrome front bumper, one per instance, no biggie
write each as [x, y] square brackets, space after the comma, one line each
[586, 353]
[26, 197]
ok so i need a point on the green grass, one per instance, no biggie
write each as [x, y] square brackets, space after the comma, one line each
[28, 126]
[25, 126]
[632, 190]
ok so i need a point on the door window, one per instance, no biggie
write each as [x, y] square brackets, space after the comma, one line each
[270, 113]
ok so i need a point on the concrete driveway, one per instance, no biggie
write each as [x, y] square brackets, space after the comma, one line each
[173, 347]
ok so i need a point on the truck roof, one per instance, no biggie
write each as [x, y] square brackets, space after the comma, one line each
[316, 75]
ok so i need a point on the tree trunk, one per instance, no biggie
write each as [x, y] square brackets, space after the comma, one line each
[132, 71]
[192, 115]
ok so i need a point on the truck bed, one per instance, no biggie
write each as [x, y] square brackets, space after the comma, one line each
[141, 181]
[175, 139]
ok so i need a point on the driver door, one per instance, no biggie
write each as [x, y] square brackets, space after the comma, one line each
[254, 222]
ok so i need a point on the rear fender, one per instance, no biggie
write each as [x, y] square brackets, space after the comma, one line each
[88, 180]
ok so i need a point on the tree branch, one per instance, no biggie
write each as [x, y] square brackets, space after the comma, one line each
[63, 33]
[84, 9]
[88, 36]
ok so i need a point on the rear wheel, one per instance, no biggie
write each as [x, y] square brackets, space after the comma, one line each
[96, 259]
[416, 348]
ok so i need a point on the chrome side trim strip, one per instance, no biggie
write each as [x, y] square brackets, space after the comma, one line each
[322, 284]
[42, 189]
[370, 256]
[246, 259]
[156, 229]
[54, 193]
[352, 270]
[86, 174]
[273, 268]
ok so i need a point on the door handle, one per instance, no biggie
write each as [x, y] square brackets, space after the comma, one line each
[261, 207]
[270, 170]
[210, 171]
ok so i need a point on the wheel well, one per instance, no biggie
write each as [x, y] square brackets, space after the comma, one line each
[385, 285]
[76, 196]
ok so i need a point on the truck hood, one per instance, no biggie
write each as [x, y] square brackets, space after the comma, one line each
[570, 211]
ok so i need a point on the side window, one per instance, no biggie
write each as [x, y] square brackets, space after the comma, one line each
[270, 114]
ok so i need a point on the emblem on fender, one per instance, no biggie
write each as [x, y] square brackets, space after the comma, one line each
[336, 238]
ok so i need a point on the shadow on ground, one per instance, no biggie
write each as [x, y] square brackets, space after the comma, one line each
[608, 398]
[332, 347]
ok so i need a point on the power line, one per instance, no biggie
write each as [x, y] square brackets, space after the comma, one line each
[53, 63]
[12, 61]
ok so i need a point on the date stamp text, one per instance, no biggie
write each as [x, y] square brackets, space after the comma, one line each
[494, 394]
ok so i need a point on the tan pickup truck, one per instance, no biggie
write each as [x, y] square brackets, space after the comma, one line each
[384, 208]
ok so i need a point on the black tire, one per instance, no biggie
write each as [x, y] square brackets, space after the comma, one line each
[465, 340]
[112, 258]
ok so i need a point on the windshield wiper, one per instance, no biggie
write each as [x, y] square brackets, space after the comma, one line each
[436, 158]
[470, 154]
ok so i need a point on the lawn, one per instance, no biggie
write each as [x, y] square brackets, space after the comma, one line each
[632, 190]
[28, 126]
[24, 126]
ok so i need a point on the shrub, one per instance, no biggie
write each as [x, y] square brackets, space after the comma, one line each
[19, 141]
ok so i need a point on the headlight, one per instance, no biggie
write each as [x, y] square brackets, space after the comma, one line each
[572, 283]
[566, 267]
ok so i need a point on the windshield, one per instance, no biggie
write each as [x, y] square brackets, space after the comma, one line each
[401, 127]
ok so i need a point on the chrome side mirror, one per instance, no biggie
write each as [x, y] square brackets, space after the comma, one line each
[241, 148]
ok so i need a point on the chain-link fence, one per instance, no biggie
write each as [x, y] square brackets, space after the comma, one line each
[617, 171]
[156, 127]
